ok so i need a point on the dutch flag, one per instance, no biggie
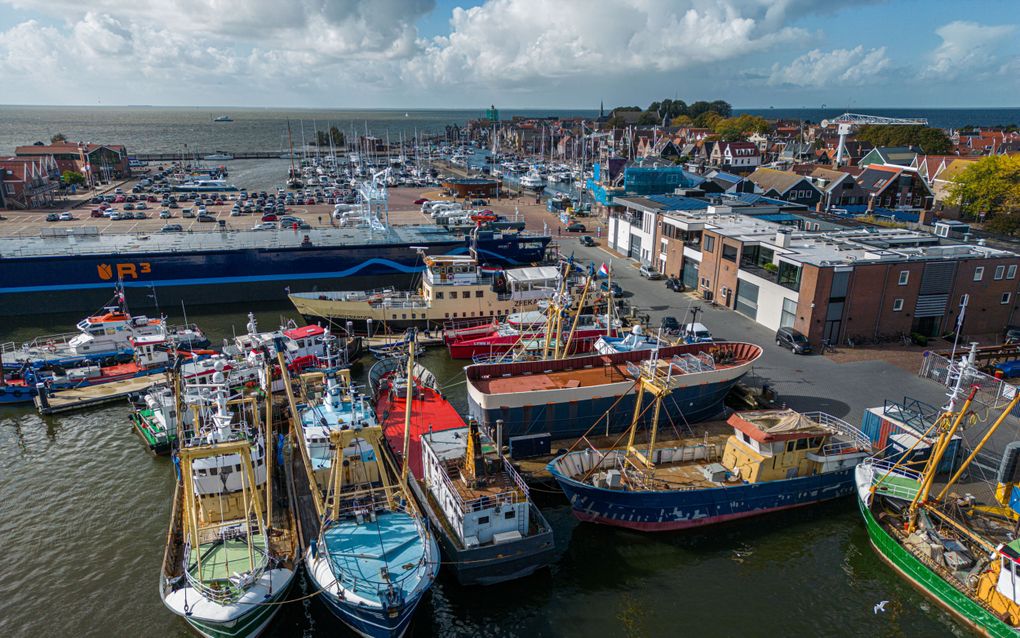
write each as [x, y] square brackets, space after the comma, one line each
[603, 270]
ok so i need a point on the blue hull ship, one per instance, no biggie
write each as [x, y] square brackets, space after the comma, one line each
[71, 272]
[568, 397]
[769, 461]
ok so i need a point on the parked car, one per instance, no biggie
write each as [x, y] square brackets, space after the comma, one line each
[165, 214]
[53, 217]
[172, 228]
[794, 340]
[270, 218]
[697, 333]
[576, 227]
[129, 206]
[204, 217]
[97, 212]
[1012, 335]
[66, 217]
[140, 215]
[670, 325]
[115, 216]
[265, 226]
[188, 212]
[676, 285]
[649, 273]
[586, 240]
[287, 220]
[479, 202]
[420, 201]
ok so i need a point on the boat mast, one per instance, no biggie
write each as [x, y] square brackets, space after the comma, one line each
[407, 406]
[268, 443]
[290, 142]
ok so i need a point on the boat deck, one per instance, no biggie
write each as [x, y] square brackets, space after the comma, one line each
[81, 398]
[430, 412]
[578, 378]
[221, 560]
[391, 541]
[491, 485]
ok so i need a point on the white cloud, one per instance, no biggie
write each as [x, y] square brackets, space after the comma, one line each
[819, 68]
[966, 46]
[536, 41]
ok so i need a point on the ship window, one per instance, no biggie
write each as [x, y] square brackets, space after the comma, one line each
[455, 315]
[743, 435]
[510, 514]
[483, 520]
[790, 445]
[453, 294]
[213, 471]
[447, 315]
[802, 444]
[403, 315]
[439, 295]
[478, 293]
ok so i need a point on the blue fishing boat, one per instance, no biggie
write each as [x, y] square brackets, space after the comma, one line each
[768, 461]
[374, 557]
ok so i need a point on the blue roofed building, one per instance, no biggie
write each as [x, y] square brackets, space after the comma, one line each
[638, 179]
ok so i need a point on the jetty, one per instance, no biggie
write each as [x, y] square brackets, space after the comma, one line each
[72, 399]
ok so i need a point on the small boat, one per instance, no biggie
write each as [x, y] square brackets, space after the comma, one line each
[959, 549]
[393, 348]
[231, 553]
[564, 397]
[203, 186]
[489, 529]
[223, 118]
[374, 557]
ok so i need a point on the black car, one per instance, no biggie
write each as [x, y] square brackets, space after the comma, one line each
[206, 218]
[575, 227]
[670, 325]
[675, 284]
[794, 340]
[586, 240]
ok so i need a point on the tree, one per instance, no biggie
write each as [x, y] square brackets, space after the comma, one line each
[707, 119]
[58, 138]
[990, 186]
[648, 117]
[682, 120]
[932, 141]
[70, 178]
[737, 128]
[626, 109]
[722, 107]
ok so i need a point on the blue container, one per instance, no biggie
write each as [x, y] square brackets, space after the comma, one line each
[530, 445]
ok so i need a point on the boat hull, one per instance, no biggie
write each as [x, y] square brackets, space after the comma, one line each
[252, 622]
[16, 395]
[501, 344]
[684, 509]
[570, 412]
[930, 583]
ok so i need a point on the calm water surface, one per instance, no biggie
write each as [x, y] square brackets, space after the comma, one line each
[84, 510]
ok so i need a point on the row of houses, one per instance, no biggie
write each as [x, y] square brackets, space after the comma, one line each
[31, 177]
[828, 277]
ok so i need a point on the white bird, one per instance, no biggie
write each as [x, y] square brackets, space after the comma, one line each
[880, 607]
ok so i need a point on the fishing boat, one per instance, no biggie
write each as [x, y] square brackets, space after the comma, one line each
[302, 346]
[507, 336]
[231, 552]
[489, 529]
[768, 461]
[956, 543]
[223, 118]
[374, 557]
[452, 287]
[564, 397]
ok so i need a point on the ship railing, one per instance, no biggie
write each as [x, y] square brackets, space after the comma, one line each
[690, 363]
[852, 436]
[226, 590]
[44, 342]
[890, 479]
[508, 497]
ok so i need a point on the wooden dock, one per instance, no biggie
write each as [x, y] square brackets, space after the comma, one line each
[93, 395]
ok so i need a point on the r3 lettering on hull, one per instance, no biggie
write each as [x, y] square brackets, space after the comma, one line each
[128, 270]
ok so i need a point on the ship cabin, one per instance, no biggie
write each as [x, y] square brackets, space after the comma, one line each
[150, 351]
[481, 497]
[453, 277]
[771, 445]
[307, 340]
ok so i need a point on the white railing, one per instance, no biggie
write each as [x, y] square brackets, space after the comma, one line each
[881, 470]
[857, 438]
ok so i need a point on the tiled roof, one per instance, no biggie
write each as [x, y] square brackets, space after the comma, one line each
[771, 179]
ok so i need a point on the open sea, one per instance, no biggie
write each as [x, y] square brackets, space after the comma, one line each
[187, 129]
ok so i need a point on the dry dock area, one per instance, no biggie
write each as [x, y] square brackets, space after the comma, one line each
[80, 398]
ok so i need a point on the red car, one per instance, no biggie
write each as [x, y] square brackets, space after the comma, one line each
[119, 199]
[420, 201]
[270, 218]
[97, 212]
[151, 199]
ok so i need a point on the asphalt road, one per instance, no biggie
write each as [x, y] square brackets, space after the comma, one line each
[804, 382]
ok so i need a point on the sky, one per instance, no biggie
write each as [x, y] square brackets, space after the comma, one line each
[511, 53]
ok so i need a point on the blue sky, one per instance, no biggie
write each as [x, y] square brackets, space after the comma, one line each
[514, 53]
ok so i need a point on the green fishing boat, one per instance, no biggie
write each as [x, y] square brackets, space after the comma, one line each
[959, 550]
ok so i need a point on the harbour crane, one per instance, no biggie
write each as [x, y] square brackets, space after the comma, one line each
[847, 122]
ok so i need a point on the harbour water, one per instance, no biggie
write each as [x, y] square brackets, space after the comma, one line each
[84, 511]
[178, 129]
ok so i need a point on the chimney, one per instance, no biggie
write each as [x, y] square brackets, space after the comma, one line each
[783, 238]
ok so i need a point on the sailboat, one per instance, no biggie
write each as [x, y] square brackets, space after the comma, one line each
[960, 549]
[374, 557]
[231, 554]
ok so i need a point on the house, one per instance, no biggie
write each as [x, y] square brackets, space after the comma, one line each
[97, 162]
[839, 188]
[941, 183]
[785, 185]
[739, 156]
[28, 182]
[895, 187]
[722, 182]
[895, 155]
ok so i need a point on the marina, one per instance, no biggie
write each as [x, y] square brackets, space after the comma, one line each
[584, 373]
